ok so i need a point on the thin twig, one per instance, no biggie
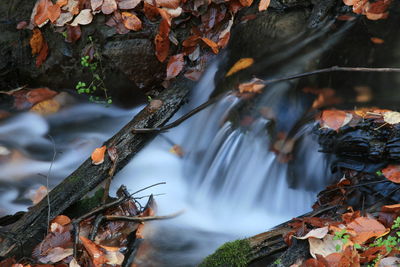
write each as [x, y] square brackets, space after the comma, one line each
[353, 186]
[147, 187]
[47, 181]
[266, 82]
[141, 219]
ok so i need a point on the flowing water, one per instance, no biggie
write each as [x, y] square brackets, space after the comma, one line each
[230, 182]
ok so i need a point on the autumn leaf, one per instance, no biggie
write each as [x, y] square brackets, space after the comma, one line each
[109, 6]
[391, 117]
[63, 19]
[46, 107]
[128, 4]
[366, 228]
[84, 17]
[162, 41]
[377, 40]
[263, 5]
[392, 173]
[241, 64]
[177, 150]
[96, 4]
[131, 21]
[254, 86]
[174, 66]
[36, 41]
[315, 233]
[73, 33]
[325, 246]
[42, 54]
[211, 44]
[96, 254]
[334, 119]
[40, 193]
[168, 3]
[98, 155]
[41, 16]
[246, 2]
[151, 12]
[53, 12]
[391, 208]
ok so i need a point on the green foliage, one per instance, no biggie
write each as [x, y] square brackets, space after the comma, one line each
[278, 261]
[342, 236]
[97, 81]
[392, 240]
[232, 254]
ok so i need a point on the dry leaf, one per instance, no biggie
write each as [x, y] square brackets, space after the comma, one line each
[391, 117]
[174, 66]
[323, 247]
[263, 5]
[72, 7]
[73, 33]
[46, 107]
[84, 17]
[53, 12]
[315, 233]
[334, 119]
[40, 193]
[131, 21]
[377, 40]
[96, 4]
[128, 4]
[392, 173]
[246, 2]
[63, 19]
[254, 86]
[168, 3]
[366, 228]
[96, 254]
[241, 64]
[39, 94]
[109, 6]
[41, 17]
[162, 41]
[177, 150]
[36, 41]
[42, 54]
[98, 155]
[56, 254]
[73, 263]
[211, 44]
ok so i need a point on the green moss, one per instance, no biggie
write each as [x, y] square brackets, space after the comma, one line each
[232, 254]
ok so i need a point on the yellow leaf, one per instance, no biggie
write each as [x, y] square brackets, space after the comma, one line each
[241, 64]
[46, 107]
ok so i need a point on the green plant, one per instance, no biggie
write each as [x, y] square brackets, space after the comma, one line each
[94, 65]
[278, 261]
[343, 236]
[232, 254]
[390, 241]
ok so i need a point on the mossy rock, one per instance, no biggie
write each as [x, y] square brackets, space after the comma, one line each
[232, 254]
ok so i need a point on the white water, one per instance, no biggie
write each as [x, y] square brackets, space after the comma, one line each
[229, 183]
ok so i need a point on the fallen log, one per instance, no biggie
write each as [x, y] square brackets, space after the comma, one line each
[31, 228]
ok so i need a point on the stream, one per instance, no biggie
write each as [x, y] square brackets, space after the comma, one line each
[230, 183]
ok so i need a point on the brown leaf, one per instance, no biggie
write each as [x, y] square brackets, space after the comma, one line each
[73, 33]
[131, 21]
[96, 254]
[334, 119]
[63, 19]
[246, 2]
[56, 254]
[96, 4]
[46, 107]
[151, 12]
[61, 220]
[366, 228]
[112, 153]
[36, 41]
[42, 54]
[254, 86]
[84, 17]
[41, 15]
[36, 95]
[211, 44]
[168, 3]
[53, 12]
[72, 7]
[128, 4]
[324, 246]
[162, 41]
[98, 155]
[40, 193]
[241, 64]
[392, 173]
[109, 6]
[174, 66]
[263, 5]
[391, 208]
[377, 40]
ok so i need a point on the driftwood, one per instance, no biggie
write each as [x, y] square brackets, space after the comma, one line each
[31, 228]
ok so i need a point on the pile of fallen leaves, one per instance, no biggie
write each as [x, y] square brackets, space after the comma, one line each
[373, 10]
[352, 241]
[86, 242]
[215, 19]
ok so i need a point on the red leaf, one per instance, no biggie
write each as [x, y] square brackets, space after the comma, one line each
[392, 173]
[174, 66]
[36, 95]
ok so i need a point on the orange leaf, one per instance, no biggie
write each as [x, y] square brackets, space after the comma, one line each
[162, 41]
[98, 155]
[41, 15]
[46, 107]
[36, 41]
[151, 12]
[334, 119]
[168, 3]
[40, 193]
[254, 86]
[211, 44]
[131, 21]
[241, 64]
[392, 173]
[62, 3]
[246, 2]
[377, 40]
[263, 5]
[366, 228]
[174, 66]
[42, 54]
[62, 220]
[36, 95]
[53, 12]
[391, 208]
[94, 251]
